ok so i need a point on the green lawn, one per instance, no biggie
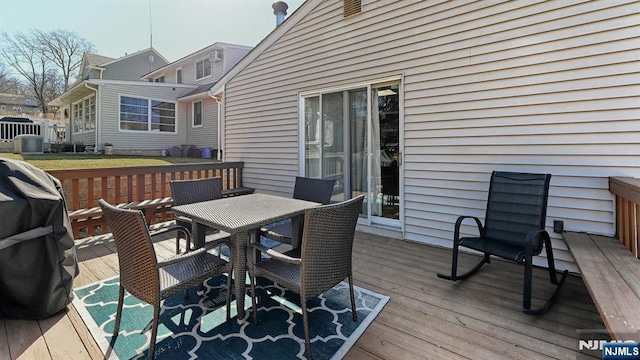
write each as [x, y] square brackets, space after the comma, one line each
[53, 161]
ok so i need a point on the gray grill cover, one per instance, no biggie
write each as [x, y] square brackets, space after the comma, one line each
[37, 253]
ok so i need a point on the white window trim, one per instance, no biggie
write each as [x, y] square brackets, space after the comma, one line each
[158, 77]
[148, 131]
[193, 114]
[195, 69]
[350, 86]
[179, 70]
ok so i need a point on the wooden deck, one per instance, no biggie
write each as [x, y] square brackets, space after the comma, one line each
[426, 318]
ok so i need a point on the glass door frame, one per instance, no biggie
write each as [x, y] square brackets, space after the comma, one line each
[369, 219]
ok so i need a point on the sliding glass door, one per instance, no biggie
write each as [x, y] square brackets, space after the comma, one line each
[352, 136]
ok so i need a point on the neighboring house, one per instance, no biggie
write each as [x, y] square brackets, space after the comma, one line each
[449, 91]
[141, 104]
[104, 87]
[202, 68]
[12, 104]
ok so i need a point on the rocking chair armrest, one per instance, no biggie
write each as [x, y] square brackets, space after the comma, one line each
[532, 239]
[274, 254]
[456, 233]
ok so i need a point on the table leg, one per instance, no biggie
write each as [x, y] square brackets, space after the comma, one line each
[198, 232]
[239, 259]
[297, 223]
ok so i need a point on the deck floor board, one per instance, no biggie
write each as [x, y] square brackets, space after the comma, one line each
[426, 318]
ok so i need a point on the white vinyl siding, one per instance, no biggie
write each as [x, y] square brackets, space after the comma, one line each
[109, 124]
[232, 55]
[133, 67]
[535, 86]
[207, 134]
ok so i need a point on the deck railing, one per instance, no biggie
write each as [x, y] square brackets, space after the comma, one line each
[83, 188]
[627, 192]
[9, 130]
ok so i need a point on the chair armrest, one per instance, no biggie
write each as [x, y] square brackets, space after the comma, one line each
[180, 257]
[275, 255]
[456, 233]
[183, 229]
[215, 243]
[536, 237]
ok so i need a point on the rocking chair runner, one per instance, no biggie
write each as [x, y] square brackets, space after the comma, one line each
[513, 230]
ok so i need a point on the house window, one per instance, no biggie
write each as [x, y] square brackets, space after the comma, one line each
[352, 7]
[197, 114]
[90, 115]
[150, 115]
[179, 76]
[84, 115]
[203, 69]
[77, 117]
[159, 79]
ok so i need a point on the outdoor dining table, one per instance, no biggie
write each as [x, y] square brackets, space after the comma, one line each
[241, 216]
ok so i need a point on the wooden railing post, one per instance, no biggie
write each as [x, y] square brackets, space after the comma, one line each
[627, 191]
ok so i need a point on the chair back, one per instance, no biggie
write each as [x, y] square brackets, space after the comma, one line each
[327, 245]
[517, 204]
[136, 256]
[316, 190]
[195, 190]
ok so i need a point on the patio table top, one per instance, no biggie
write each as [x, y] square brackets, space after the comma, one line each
[240, 216]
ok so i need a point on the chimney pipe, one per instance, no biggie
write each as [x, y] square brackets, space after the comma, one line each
[279, 10]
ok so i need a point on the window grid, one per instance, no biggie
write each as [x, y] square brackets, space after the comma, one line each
[203, 69]
[147, 115]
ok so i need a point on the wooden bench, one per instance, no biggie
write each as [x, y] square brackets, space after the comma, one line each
[612, 276]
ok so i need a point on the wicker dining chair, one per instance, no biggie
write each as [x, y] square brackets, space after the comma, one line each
[149, 280]
[325, 258]
[317, 190]
[192, 191]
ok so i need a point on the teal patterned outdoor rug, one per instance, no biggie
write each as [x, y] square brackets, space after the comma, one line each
[196, 328]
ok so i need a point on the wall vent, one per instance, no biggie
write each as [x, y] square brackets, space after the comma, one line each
[352, 7]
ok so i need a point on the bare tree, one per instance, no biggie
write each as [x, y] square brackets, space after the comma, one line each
[23, 53]
[8, 84]
[54, 86]
[65, 49]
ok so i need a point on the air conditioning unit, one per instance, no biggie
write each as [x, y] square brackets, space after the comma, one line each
[28, 144]
[215, 55]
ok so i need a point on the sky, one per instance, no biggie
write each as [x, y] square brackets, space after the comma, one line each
[119, 27]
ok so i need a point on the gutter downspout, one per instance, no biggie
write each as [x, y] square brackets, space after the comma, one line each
[97, 133]
[218, 98]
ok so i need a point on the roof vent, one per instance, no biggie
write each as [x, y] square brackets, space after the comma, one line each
[352, 7]
[280, 11]
[215, 55]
